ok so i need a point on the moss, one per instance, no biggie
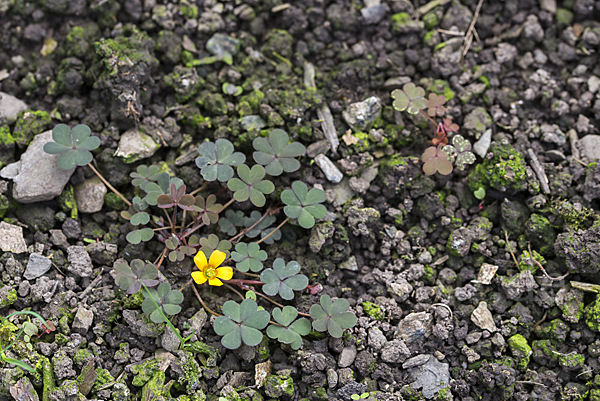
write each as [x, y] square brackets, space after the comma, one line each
[144, 372]
[592, 314]
[400, 18]
[279, 385]
[79, 40]
[81, 356]
[66, 201]
[563, 17]
[363, 143]
[10, 299]
[104, 377]
[189, 11]
[571, 361]
[207, 354]
[254, 100]
[213, 103]
[30, 123]
[441, 87]
[114, 202]
[155, 387]
[372, 310]
[429, 276]
[527, 264]
[133, 301]
[520, 350]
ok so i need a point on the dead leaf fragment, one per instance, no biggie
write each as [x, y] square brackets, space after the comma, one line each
[261, 372]
[349, 139]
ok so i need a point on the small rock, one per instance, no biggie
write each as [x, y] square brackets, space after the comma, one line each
[376, 339]
[414, 326]
[431, 377]
[374, 14]
[223, 46]
[471, 355]
[169, 341]
[37, 266]
[37, 177]
[395, 351]
[23, 390]
[589, 146]
[350, 264]
[134, 145]
[472, 338]
[102, 253]
[505, 53]
[11, 238]
[477, 121]
[81, 263]
[483, 144]
[347, 356]
[83, 320]
[459, 242]
[10, 107]
[332, 378]
[90, 195]
[482, 318]
[416, 361]
[252, 122]
[59, 239]
[548, 5]
[401, 289]
[330, 170]
[518, 284]
[318, 147]
[593, 83]
[362, 114]
[63, 365]
[532, 29]
[486, 273]
[319, 234]
[556, 155]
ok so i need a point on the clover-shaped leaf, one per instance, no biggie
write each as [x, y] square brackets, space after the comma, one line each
[436, 159]
[137, 236]
[231, 220]
[208, 209]
[73, 145]
[450, 126]
[212, 243]
[216, 160]
[144, 175]
[248, 257]
[263, 228]
[251, 185]
[459, 152]
[283, 279]
[435, 105]
[130, 278]
[241, 322]
[332, 316]
[303, 204]
[168, 301]
[139, 218]
[177, 198]
[276, 154]
[410, 98]
[289, 332]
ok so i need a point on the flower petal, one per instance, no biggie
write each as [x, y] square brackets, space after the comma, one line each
[199, 277]
[216, 258]
[225, 273]
[200, 260]
[215, 281]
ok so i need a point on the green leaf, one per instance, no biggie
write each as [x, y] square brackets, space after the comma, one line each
[168, 301]
[231, 220]
[332, 316]
[143, 175]
[410, 98]
[249, 257]
[140, 218]
[212, 243]
[303, 204]
[216, 160]
[283, 279]
[436, 160]
[276, 154]
[291, 331]
[54, 148]
[241, 322]
[72, 145]
[249, 185]
[62, 135]
[137, 236]
[263, 228]
[19, 363]
[130, 278]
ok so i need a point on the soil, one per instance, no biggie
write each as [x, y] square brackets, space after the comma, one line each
[450, 302]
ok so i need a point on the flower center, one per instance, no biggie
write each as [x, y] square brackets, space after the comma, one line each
[210, 272]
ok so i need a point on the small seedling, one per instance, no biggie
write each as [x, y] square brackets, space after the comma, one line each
[73, 146]
[29, 329]
[437, 158]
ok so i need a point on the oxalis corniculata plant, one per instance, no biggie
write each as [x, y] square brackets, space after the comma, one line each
[185, 217]
[437, 158]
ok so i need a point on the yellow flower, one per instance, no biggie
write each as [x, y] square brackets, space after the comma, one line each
[210, 270]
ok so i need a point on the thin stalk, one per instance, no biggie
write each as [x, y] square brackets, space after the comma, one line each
[278, 304]
[244, 231]
[26, 312]
[202, 302]
[173, 329]
[234, 290]
[168, 217]
[108, 185]
[202, 224]
[174, 219]
[275, 230]
[202, 188]
[186, 284]
[162, 257]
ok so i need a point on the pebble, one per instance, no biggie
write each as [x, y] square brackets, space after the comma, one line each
[431, 377]
[416, 361]
[486, 273]
[37, 266]
[330, 170]
[11, 238]
[252, 122]
[593, 83]
[374, 14]
[81, 263]
[589, 146]
[350, 264]
[377, 339]
[361, 114]
[414, 326]
[37, 177]
[316, 148]
[483, 144]
[347, 356]
[10, 107]
[482, 317]
[169, 341]
[222, 45]
[89, 195]
[134, 145]
[82, 321]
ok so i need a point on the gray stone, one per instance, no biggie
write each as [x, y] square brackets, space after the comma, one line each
[350, 264]
[593, 83]
[319, 234]
[431, 377]
[374, 14]
[414, 326]
[252, 122]
[134, 145]
[459, 242]
[477, 121]
[37, 266]
[401, 289]
[83, 320]
[548, 5]
[518, 284]
[362, 114]
[10, 107]
[11, 238]
[416, 361]
[589, 146]
[532, 29]
[473, 337]
[505, 53]
[59, 239]
[483, 144]
[169, 341]
[102, 253]
[347, 356]
[63, 365]
[330, 170]
[318, 147]
[81, 263]
[482, 317]
[138, 325]
[395, 351]
[89, 195]
[376, 339]
[222, 46]
[37, 177]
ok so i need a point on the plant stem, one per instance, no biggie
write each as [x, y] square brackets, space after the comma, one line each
[108, 185]
[173, 329]
[25, 312]
[202, 188]
[174, 219]
[278, 304]
[161, 258]
[202, 302]
[244, 231]
[234, 290]
[186, 284]
[275, 230]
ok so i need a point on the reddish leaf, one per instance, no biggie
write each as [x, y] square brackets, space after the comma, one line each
[165, 201]
[449, 126]
[436, 160]
[435, 105]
